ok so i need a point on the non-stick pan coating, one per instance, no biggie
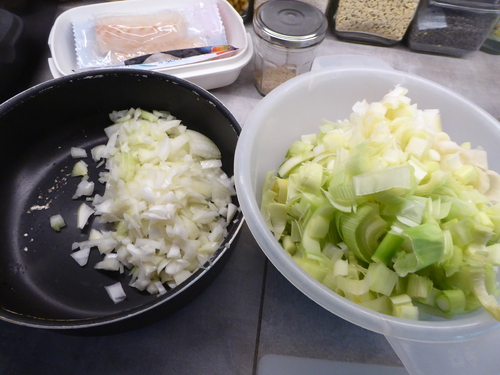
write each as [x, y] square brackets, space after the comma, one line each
[40, 284]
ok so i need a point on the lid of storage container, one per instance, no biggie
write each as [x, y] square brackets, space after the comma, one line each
[290, 23]
[477, 6]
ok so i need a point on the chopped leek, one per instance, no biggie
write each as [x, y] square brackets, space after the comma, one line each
[386, 210]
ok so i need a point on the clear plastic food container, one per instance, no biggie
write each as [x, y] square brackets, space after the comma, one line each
[453, 28]
[382, 22]
[492, 44]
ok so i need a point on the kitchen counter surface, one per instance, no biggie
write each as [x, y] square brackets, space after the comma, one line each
[250, 310]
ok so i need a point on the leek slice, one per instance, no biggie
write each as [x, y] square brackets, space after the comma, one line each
[487, 300]
[450, 301]
[362, 231]
[291, 163]
[382, 279]
[381, 304]
[418, 286]
[387, 248]
[278, 217]
[312, 267]
[427, 242]
[342, 197]
[386, 179]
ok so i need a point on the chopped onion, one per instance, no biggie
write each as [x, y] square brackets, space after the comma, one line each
[167, 196]
[57, 222]
[116, 292]
[85, 187]
[81, 256]
[95, 234]
[205, 164]
[83, 214]
[109, 263]
[201, 145]
[97, 152]
[80, 169]
[77, 152]
[231, 211]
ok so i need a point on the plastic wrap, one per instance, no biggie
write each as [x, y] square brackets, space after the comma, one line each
[111, 39]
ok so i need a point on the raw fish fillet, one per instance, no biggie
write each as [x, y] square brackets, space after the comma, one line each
[125, 37]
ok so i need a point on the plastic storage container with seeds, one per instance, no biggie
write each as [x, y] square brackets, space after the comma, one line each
[380, 22]
[492, 44]
[287, 34]
[452, 27]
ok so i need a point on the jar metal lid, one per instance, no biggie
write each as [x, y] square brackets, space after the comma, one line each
[290, 23]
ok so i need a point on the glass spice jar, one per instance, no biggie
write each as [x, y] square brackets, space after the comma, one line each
[287, 33]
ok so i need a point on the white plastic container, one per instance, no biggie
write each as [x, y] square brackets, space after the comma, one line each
[464, 345]
[207, 74]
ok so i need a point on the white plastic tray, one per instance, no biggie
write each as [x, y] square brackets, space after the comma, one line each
[207, 74]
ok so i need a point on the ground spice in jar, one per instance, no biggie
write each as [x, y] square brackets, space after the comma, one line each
[450, 31]
[271, 77]
[388, 19]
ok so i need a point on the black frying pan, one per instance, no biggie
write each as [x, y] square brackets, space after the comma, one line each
[40, 284]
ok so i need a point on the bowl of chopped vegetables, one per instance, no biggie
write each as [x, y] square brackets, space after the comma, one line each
[379, 201]
[119, 199]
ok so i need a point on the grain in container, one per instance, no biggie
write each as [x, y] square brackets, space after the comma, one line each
[379, 22]
[452, 27]
[287, 33]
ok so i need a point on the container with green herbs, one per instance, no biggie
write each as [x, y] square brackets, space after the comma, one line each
[452, 27]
